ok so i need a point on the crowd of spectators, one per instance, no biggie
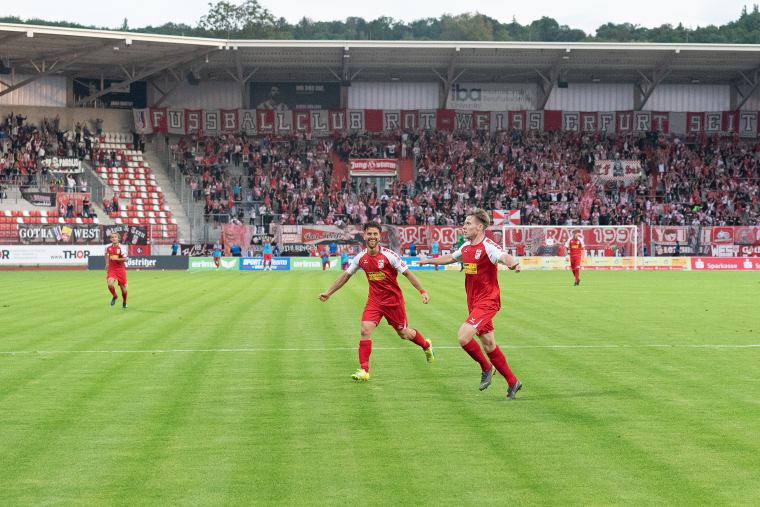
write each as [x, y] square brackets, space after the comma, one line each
[685, 180]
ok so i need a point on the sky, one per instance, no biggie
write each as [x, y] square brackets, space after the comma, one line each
[584, 14]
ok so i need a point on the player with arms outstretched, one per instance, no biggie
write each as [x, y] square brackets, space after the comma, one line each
[217, 254]
[574, 247]
[480, 257]
[116, 257]
[385, 298]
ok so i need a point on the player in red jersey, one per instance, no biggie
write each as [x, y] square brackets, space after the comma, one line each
[480, 256]
[385, 298]
[575, 248]
[116, 256]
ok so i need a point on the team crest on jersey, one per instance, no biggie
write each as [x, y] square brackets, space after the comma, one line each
[477, 254]
[380, 263]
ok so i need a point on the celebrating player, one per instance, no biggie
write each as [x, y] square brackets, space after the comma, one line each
[344, 261]
[385, 298]
[217, 254]
[434, 251]
[480, 256]
[574, 247]
[116, 256]
[325, 260]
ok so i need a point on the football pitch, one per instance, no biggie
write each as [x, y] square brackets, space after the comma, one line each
[233, 388]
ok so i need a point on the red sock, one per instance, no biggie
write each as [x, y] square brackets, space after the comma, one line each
[473, 348]
[419, 340]
[112, 289]
[576, 272]
[365, 349]
[498, 360]
[124, 296]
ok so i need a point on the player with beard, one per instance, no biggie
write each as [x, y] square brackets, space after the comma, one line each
[385, 298]
[116, 257]
[480, 257]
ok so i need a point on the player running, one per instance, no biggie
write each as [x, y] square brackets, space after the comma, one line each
[267, 250]
[480, 256]
[574, 247]
[116, 256]
[385, 298]
[217, 254]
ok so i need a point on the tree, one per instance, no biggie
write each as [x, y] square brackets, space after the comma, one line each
[467, 26]
[248, 21]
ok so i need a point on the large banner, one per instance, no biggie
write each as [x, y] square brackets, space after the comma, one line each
[506, 217]
[400, 237]
[295, 96]
[239, 235]
[130, 235]
[75, 198]
[373, 168]
[33, 255]
[200, 250]
[618, 170]
[59, 233]
[39, 198]
[478, 111]
[63, 165]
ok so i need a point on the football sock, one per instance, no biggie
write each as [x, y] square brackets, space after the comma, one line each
[419, 340]
[124, 296]
[498, 360]
[113, 290]
[365, 349]
[473, 348]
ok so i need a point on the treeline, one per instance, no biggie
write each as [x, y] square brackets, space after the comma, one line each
[252, 21]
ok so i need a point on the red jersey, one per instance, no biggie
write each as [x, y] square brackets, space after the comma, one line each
[381, 271]
[608, 251]
[520, 249]
[575, 247]
[480, 268]
[116, 267]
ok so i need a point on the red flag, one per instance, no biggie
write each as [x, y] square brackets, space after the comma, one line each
[588, 199]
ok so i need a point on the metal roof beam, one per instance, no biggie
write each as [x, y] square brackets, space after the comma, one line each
[157, 66]
[73, 59]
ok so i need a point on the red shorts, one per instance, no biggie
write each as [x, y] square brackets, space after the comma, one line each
[268, 257]
[394, 315]
[119, 277]
[344, 266]
[435, 256]
[575, 263]
[482, 320]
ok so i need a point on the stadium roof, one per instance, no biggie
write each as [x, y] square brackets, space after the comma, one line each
[122, 55]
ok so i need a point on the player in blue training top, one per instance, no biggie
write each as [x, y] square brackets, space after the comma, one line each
[434, 252]
[217, 254]
[325, 260]
[344, 261]
[267, 255]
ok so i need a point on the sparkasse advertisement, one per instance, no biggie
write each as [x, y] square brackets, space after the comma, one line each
[30, 255]
[257, 264]
[725, 264]
[207, 264]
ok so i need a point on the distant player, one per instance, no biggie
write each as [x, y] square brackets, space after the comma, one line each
[217, 254]
[343, 261]
[325, 260]
[574, 247]
[267, 250]
[434, 252]
[608, 250]
[385, 298]
[480, 256]
[460, 241]
[116, 257]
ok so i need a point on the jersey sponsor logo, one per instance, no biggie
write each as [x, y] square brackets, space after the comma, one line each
[375, 276]
[477, 254]
[574, 246]
[380, 263]
[470, 268]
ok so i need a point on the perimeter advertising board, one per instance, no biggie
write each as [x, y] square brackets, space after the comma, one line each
[145, 262]
[207, 263]
[311, 263]
[725, 264]
[257, 264]
[33, 255]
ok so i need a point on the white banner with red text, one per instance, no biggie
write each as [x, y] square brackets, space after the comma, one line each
[44, 255]
[324, 122]
[617, 170]
[372, 168]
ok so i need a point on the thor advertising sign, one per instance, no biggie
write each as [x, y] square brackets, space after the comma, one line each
[257, 264]
[207, 264]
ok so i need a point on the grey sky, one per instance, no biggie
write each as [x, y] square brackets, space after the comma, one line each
[587, 15]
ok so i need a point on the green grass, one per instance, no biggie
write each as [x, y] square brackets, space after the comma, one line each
[233, 388]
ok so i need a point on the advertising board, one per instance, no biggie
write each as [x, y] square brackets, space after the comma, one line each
[32, 255]
[311, 263]
[207, 263]
[257, 263]
[145, 262]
